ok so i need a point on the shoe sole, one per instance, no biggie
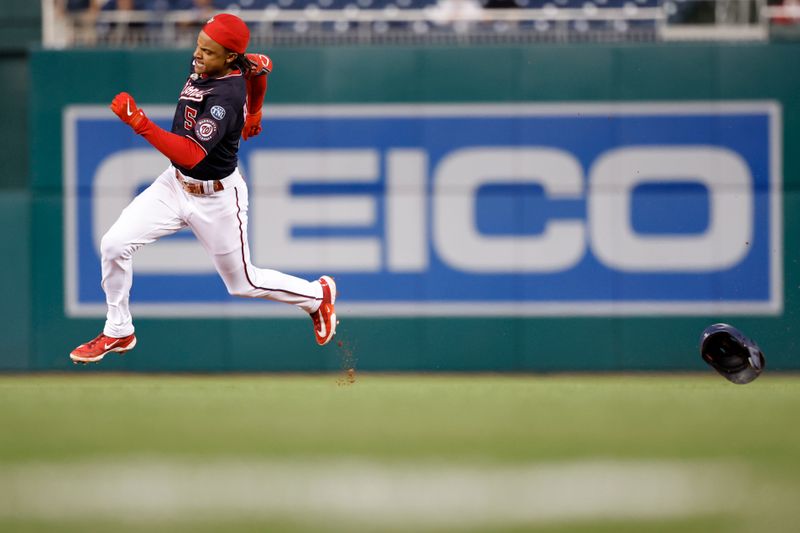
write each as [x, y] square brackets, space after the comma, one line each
[84, 360]
[333, 329]
[334, 322]
[331, 286]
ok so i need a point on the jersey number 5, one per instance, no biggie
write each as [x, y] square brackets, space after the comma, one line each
[189, 118]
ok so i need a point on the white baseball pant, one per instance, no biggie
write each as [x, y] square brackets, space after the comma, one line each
[218, 220]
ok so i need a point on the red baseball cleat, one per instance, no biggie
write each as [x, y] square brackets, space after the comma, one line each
[97, 348]
[324, 318]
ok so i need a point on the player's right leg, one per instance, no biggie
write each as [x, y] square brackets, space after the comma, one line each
[153, 214]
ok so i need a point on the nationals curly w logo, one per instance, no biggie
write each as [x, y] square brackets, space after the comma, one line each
[205, 129]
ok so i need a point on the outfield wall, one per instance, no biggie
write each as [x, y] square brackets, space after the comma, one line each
[21, 24]
[471, 202]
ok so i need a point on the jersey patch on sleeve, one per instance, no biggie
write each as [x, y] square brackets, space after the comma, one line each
[218, 112]
[206, 129]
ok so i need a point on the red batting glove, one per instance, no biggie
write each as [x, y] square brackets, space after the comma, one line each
[252, 125]
[261, 64]
[125, 108]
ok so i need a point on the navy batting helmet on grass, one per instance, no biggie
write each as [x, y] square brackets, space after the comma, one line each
[730, 353]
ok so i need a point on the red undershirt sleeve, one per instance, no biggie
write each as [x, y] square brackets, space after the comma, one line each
[184, 151]
[256, 89]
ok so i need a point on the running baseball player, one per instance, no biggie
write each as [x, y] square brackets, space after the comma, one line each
[202, 189]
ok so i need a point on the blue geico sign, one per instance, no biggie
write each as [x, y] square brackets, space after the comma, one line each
[465, 210]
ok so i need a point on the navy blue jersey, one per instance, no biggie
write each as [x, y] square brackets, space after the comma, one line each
[211, 113]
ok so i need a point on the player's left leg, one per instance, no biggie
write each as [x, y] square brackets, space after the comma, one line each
[151, 215]
[220, 224]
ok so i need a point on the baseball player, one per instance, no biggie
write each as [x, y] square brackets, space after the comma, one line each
[202, 189]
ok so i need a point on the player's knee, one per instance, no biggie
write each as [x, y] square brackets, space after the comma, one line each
[241, 291]
[112, 247]
[237, 281]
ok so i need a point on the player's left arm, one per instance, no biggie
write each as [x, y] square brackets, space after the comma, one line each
[256, 79]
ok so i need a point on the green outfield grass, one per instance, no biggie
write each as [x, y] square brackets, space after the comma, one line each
[598, 453]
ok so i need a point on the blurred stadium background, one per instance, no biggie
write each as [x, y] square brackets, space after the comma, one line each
[649, 106]
[506, 191]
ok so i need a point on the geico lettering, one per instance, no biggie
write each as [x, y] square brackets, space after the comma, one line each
[730, 189]
[404, 223]
[456, 182]
[279, 211]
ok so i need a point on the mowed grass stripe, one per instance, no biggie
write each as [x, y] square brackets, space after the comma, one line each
[147, 490]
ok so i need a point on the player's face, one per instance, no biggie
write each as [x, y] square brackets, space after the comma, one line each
[210, 57]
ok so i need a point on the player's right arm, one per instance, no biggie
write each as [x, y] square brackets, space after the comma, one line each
[180, 150]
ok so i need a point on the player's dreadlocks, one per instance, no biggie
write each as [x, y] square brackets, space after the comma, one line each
[242, 63]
